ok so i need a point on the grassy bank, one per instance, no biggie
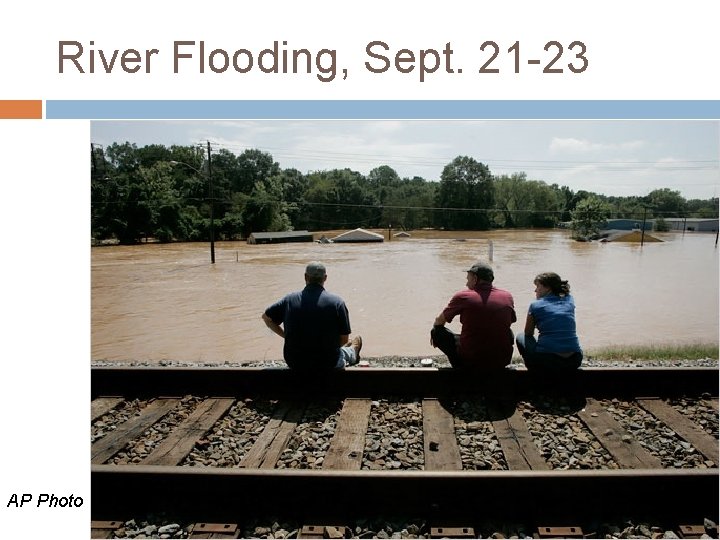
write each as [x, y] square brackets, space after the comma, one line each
[655, 352]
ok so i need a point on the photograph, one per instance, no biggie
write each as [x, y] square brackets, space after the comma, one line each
[350, 304]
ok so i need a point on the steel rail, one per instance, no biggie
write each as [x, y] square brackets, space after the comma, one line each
[363, 382]
[226, 495]
[325, 496]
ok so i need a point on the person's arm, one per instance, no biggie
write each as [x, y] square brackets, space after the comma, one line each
[440, 320]
[529, 325]
[343, 323]
[454, 308]
[272, 325]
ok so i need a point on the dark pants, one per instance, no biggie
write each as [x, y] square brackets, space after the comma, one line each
[448, 342]
[541, 361]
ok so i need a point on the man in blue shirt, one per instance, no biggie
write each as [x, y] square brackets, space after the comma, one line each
[314, 324]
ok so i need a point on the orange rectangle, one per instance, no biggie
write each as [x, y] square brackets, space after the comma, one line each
[25, 109]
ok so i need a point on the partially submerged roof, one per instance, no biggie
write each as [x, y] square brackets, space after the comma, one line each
[279, 237]
[358, 235]
[629, 236]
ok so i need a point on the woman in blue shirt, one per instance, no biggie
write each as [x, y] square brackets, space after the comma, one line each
[553, 314]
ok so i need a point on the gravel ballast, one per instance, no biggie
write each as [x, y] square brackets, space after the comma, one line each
[394, 441]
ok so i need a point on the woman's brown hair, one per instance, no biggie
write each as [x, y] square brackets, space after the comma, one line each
[553, 282]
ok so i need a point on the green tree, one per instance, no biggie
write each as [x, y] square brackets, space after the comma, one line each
[527, 203]
[266, 209]
[465, 184]
[511, 196]
[547, 205]
[252, 166]
[339, 198]
[294, 187]
[661, 225]
[408, 204]
[122, 158]
[667, 202]
[566, 196]
[702, 208]
[588, 217]
[383, 180]
[107, 193]
[163, 201]
[137, 193]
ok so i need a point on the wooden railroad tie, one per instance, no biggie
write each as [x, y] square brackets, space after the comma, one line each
[173, 449]
[322, 531]
[516, 442]
[215, 530]
[105, 448]
[452, 532]
[714, 403]
[103, 405]
[346, 447]
[696, 531]
[266, 451]
[441, 448]
[621, 445]
[104, 529]
[559, 532]
[703, 442]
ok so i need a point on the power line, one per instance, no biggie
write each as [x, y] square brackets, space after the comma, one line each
[430, 208]
[512, 164]
[606, 167]
[497, 163]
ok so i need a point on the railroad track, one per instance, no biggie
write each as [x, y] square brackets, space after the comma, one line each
[435, 443]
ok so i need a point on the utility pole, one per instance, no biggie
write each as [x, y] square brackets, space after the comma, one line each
[212, 207]
[97, 166]
[211, 195]
[92, 160]
[642, 233]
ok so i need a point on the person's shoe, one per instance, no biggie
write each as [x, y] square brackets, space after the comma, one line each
[356, 343]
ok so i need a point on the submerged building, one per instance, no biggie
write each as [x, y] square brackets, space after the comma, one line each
[358, 235]
[693, 224]
[279, 237]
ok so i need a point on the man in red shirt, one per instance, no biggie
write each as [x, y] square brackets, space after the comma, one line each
[486, 313]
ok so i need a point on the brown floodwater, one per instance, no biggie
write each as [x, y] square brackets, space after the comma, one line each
[158, 302]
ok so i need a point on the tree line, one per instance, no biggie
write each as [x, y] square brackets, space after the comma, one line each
[163, 193]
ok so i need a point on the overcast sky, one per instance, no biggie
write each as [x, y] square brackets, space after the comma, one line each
[605, 156]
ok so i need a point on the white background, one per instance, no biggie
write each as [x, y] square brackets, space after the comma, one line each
[637, 50]
[644, 50]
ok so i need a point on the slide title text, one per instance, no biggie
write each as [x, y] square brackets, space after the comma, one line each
[199, 57]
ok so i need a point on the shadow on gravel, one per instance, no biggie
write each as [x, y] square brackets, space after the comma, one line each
[486, 409]
[556, 405]
[471, 409]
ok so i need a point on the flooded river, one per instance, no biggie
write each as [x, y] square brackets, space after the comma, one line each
[167, 302]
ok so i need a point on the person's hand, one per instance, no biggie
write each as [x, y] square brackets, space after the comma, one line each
[432, 342]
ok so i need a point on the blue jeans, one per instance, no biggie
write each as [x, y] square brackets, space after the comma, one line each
[347, 357]
[542, 360]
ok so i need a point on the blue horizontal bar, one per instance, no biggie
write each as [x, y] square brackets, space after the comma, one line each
[381, 109]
